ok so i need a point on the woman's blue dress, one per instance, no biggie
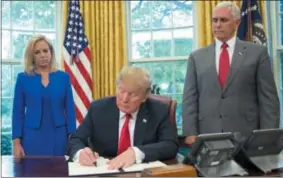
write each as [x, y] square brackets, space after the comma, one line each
[47, 140]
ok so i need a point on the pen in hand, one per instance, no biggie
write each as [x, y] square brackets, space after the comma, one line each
[92, 149]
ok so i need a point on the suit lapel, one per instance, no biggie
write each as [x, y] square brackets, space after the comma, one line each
[214, 75]
[237, 59]
[114, 126]
[141, 122]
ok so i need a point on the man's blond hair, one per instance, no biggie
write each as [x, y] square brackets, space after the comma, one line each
[135, 77]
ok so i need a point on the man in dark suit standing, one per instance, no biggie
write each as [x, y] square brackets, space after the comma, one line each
[229, 84]
[129, 127]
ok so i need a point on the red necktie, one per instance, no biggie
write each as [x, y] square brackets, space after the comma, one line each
[224, 65]
[125, 141]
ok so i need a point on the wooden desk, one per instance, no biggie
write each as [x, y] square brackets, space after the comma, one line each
[33, 166]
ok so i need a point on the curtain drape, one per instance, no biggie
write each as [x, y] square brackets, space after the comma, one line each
[105, 28]
[204, 16]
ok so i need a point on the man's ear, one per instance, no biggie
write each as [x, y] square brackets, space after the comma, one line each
[145, 97]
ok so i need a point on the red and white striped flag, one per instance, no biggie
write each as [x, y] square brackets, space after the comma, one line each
[77, 60]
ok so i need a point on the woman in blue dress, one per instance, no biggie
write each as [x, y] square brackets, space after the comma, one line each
[43, 107]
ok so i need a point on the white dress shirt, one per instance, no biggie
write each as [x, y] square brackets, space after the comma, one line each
[132, 123]
[231, 46]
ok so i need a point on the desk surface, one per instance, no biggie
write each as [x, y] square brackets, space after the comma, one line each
[34, 166]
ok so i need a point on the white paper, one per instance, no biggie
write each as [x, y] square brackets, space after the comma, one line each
[67, 157]
[77, 169]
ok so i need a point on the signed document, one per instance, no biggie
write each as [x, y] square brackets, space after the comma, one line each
[101, 168]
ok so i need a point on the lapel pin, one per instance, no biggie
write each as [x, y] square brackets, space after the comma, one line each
[240, 53]
[144, 120]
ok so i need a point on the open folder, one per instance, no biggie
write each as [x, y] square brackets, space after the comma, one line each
[76, 169]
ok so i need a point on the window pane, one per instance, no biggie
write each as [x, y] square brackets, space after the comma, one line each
[6, 106]
[141, 47]
[143, 65]
[162, 75]
[6, 81]
[5, 14]
[180, 73]
[19, 41]
[15, 70]
[162, 43]
[183, 41]
[178, 98]
[22, 14]
[182, 13]
[6, 44]
[162, 14]
[20, 20]
[45, 13]
[6, 118]
[6, 142]
[140, 14]
[281, 5]
[162, 39]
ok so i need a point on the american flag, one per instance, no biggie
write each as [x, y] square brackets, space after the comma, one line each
[251, 28]
[77, 60]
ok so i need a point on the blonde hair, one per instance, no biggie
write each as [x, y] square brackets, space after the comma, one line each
[235, 10]
[29, 54]
[135, 77]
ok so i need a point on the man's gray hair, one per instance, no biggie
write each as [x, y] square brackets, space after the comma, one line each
[235, 10]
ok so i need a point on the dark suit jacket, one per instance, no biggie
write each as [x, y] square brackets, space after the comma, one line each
[156, 137]
[248, 101]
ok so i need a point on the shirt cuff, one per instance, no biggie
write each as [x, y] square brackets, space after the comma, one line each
[139, 155]
[77, 156]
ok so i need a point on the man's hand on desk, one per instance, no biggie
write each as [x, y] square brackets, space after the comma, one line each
[123, 160]
[87, 157]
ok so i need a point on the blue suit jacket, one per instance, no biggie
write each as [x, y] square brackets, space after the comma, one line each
[27, 102]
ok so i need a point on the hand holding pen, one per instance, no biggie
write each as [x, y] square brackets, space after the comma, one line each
[87, 156]
[92, 150]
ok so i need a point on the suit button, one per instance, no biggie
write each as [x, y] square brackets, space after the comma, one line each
[222, 97]
[220, 116]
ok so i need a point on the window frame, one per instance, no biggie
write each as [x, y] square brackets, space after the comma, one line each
[19, 62]
[156, 59]
[132, 61]
[57, 32]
